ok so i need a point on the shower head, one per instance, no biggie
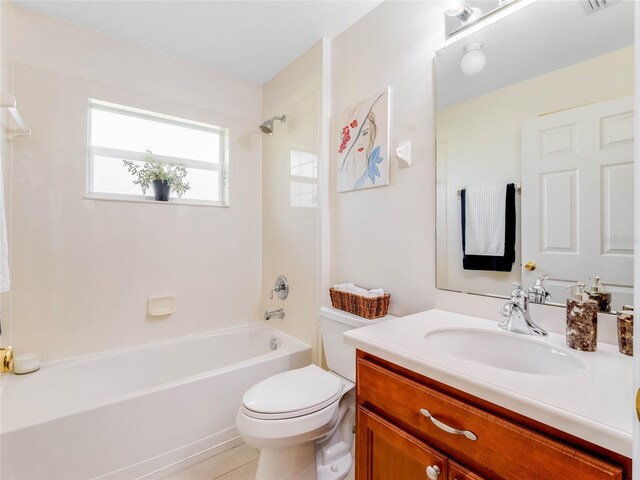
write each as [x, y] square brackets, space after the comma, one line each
[267, 126]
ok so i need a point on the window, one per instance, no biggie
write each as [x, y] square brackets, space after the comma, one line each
[303, 184]
[121, 133]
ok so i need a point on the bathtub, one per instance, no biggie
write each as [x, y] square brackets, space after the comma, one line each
[139, 412]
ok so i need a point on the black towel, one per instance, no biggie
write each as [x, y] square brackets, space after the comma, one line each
[496, 264]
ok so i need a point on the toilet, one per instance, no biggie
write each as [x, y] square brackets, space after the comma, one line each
[302, 420]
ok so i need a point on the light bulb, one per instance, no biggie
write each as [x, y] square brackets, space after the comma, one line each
[475, 14]
[461, 9]
[474, 59]
[455, 7]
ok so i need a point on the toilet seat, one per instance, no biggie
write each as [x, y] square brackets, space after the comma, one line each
[292, 394]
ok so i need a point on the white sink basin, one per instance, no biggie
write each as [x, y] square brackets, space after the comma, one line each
[504, 351]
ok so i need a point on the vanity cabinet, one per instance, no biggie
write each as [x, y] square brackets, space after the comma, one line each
[407, 423]
[394, 454]
[458, 472]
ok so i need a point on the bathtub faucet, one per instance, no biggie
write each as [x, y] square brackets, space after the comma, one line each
[279, 313]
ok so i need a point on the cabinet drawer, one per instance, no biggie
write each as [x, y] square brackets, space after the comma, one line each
[457, 472]
[502, 449]
[385, 452]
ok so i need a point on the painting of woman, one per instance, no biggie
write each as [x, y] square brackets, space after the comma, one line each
[363, 159]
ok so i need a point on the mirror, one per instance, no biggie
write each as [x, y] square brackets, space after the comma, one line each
[535, 152]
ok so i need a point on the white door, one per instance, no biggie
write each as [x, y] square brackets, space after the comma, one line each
[577, 198]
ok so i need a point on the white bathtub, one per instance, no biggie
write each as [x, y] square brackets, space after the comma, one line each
[137, 412]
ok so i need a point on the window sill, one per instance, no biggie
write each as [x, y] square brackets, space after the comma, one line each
[149, 199]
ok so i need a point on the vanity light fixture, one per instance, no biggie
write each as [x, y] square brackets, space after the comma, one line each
[462, 10]
[598, 4]
[473, 60]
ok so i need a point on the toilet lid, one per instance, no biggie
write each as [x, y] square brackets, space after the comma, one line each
[293, 393]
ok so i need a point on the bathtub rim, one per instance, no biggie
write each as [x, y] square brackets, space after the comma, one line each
[289, 345]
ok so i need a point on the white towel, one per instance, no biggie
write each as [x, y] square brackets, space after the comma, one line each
[485, 209]
[352, 288]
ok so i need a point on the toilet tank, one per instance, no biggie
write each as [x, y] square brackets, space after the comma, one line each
[341, 358]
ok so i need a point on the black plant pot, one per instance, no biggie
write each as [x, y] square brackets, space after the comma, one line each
[161, 190]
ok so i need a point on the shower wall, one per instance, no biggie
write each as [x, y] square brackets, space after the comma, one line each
[83, 269]
[292, 160]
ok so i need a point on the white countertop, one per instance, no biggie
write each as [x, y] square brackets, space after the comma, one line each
[596, 404]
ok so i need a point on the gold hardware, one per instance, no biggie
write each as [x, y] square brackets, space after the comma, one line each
[530, 266]
[638, 404]
[6, 356]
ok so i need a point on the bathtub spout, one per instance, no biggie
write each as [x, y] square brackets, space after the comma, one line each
[279, 313]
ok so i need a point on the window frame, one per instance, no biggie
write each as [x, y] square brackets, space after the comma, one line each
[222, 167]
[303, 179]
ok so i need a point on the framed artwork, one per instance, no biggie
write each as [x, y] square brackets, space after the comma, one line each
[363, 144]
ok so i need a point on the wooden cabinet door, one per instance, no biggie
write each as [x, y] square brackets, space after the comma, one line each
[384, 452]
[458, 472]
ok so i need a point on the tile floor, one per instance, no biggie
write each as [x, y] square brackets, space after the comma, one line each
[239, 463]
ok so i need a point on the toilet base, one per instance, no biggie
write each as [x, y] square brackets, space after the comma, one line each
[326, 458]
[334, 457]
[297, 462]
[301, 462]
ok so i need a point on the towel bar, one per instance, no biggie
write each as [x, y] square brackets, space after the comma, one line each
[518, 189]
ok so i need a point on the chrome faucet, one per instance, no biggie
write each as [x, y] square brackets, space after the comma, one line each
[281, 288]
[537, 292]
[269, 314]
[516, 311]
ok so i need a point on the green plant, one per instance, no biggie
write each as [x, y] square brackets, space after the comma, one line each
[152, 170]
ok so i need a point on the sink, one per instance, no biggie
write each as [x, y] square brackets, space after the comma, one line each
[504, 351]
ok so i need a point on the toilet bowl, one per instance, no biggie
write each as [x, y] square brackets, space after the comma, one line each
[302, 420]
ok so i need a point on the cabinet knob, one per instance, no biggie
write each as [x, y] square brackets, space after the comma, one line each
[433, 472]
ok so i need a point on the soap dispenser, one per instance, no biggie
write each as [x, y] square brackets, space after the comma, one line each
[582, 320]
[599, 294]
[625, 330]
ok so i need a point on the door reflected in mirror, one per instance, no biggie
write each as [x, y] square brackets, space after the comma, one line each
[535, 155]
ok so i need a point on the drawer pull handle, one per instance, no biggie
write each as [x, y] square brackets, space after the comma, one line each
[433, 472]
[447, 428]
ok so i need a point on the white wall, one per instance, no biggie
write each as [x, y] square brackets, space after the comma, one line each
[290, 234]
[83, 269]
[485, 131]
[384, 237]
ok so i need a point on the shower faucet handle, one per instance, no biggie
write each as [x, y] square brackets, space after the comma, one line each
[281, 287]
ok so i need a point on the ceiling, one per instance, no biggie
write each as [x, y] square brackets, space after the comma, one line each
[251, 40]
[543, 37]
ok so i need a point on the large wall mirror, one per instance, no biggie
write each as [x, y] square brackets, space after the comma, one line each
[535, 146]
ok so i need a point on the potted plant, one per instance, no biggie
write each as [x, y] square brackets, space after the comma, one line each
[163, 176]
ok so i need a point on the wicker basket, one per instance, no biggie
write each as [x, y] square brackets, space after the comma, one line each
[367, 307]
